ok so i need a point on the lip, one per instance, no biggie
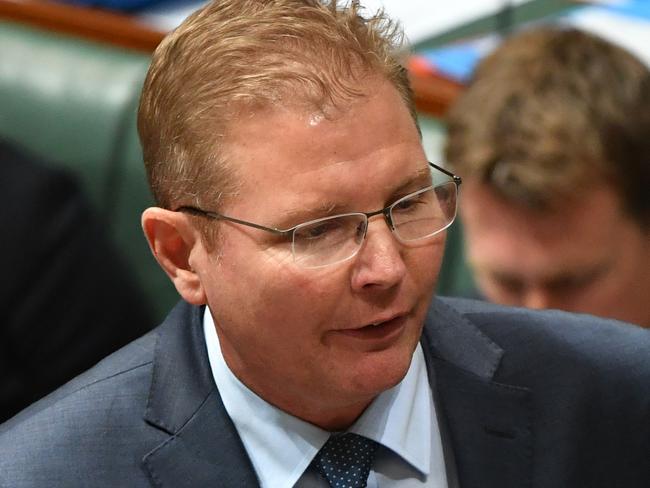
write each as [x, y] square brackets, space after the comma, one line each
[377, 330]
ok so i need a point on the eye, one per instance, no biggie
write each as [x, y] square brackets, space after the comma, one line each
[573, 283]
[413, 203]
[444, 192]
[319, 230]
[405, 204]
[510, 285]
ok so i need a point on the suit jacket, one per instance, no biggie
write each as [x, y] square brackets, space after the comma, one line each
[525, 399]
[66, 298]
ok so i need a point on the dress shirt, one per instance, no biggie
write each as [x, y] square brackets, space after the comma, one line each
[281, 447]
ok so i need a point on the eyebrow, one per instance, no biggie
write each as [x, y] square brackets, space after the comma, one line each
[423, 176]
[296, 216]
[300, 215]
[581, 275]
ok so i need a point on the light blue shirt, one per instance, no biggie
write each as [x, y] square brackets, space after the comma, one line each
[281, 447]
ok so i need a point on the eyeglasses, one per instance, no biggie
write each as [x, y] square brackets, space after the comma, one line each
[330, 240]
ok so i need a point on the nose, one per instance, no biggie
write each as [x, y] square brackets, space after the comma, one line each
[379, 263]
[538, 298]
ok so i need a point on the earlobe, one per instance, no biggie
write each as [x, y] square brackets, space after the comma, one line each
[172, 240]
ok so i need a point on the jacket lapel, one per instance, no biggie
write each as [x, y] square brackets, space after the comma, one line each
[486, 424]
[203, 445]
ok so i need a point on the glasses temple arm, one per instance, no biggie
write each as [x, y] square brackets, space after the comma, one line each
[217, 216]
[457, 179]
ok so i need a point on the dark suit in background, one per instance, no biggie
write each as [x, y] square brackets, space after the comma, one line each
[525, 399]
[66, 298]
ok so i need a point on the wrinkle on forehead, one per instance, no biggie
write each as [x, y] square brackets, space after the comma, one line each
[407, 179]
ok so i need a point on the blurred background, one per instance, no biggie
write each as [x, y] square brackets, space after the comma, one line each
[71, 72]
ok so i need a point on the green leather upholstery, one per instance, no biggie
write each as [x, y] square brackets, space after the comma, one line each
[73, 103]
[455, 277]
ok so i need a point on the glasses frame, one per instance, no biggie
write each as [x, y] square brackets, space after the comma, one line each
[386, 212]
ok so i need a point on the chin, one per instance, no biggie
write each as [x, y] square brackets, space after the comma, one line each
[381, 371]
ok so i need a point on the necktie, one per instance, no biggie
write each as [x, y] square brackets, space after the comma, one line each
[345, 460]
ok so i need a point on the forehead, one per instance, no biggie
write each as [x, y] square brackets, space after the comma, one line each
[514, 239]
[285, 149]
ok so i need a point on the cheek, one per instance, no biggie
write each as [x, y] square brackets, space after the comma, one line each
[283, 294]
[308, 296]
[424, 263]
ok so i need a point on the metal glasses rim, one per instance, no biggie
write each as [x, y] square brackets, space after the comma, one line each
[284, 232]
[356, 251]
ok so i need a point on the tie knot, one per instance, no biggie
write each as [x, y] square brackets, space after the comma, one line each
[345, 460]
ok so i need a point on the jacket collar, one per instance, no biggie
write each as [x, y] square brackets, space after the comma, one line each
[486, 425]
[454, 340]
[183, 401]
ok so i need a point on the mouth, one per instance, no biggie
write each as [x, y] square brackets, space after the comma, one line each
[378, 330]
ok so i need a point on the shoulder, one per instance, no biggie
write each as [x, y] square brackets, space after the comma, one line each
[553, 341]
[579, 382]
[551, 326]
[107, 402]
[97, 427]
[131, 362]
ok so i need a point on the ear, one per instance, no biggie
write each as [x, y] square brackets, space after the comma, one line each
[172, 240]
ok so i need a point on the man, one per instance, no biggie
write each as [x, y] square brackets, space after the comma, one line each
[297, 205]
[551, 139]
[66, 299]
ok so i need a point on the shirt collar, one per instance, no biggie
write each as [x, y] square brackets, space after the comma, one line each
[282, 446]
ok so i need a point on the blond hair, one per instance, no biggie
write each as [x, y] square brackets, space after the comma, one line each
[550, 113]
[251, 53]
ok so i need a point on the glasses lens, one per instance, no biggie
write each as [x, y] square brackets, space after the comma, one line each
[424, 213]
[329, 240]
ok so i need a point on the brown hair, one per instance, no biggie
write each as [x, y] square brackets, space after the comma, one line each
[251, 53]
[551, 112]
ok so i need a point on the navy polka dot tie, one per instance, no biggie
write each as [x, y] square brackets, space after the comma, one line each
[345, 460]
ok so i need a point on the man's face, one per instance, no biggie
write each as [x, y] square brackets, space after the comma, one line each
[301, 338]
[590, 257]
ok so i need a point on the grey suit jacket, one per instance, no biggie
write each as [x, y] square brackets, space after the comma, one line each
[526, 399]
